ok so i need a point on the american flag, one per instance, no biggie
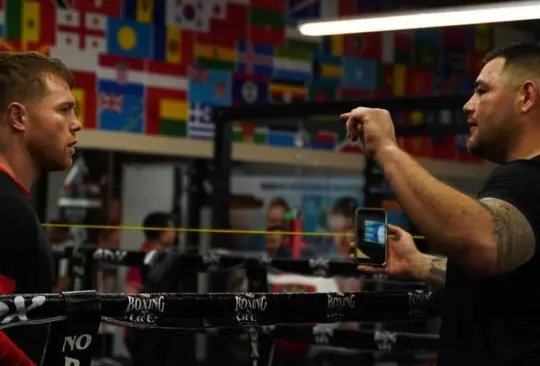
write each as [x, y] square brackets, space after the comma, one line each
[200, 124]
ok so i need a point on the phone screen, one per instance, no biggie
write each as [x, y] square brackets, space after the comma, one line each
[371, 236]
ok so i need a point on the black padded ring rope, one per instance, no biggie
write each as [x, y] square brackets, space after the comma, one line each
[183, 311]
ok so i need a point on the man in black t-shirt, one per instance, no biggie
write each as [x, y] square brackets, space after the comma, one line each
[37, 134]
[491, 268]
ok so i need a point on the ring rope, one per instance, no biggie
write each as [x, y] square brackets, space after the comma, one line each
[319, 267]
[213, 310]
[204, 230]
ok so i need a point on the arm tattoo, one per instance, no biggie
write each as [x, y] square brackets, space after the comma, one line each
[512, 234]
[435, 270]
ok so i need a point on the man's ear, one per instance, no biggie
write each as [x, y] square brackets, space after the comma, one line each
[17, 116]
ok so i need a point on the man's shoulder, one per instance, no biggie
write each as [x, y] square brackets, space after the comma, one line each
[515, 173]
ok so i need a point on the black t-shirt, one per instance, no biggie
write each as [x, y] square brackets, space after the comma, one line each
[25, 258]
[495, 321]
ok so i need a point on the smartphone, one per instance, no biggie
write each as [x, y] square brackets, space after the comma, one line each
[371, 235]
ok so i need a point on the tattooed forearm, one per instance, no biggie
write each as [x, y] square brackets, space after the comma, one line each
[512, 234]
[432, 270]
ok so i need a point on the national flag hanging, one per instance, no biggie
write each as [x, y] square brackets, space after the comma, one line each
[84, 91]
[323, 140]
[281, 137]
[126, 37]
[298, 41]
[29, 21]
[122, 70]
[80, 31]
[359, 74]
[192, 15]
[255, 59]
[17, 46]
[211, 87]
[483, 38]
[106, 7]
[444, 148]
[327, 69]
[250, 133]
[215, 56]
[145, 11]
[403, 47]
[173, 45]
[399, 80]
[366, 46]
[248, 89]
[385, 81]
[165, 75]
[320, 92]
[419, 81]
[302, 9]
[292, 64]
[167, 112]
[200, 124]
[428, 48]
[333, 45]
[121, 106]
[287, 91]
[267, 22]
[234, 19]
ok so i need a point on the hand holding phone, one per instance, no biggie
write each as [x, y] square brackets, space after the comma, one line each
[371, 236]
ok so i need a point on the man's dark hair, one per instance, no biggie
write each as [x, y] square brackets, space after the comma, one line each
[346, 206]
[279, 202]
[522, 56]
[155, 220]
[22, 75]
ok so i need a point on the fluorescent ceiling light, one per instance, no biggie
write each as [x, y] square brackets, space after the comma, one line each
[443, 17]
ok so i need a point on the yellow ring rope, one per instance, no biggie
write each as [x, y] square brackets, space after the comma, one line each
[202, 230]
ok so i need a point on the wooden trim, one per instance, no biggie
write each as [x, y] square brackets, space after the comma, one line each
[182, 147]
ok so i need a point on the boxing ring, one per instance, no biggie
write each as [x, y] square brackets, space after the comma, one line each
[75, 316]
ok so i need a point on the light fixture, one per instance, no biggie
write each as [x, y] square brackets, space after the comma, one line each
[427, 18]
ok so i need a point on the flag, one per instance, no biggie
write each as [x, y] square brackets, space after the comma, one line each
[167, 112]
[122, 70]
[234, 19]
[165, 75]
[359, 74]
[30, 21]
[399, 80]
[320, 92]
[298, 41]
[323, 140]
[17, 46]
[462, 154]
[444, 148]
[81, 31]
[255, 59]
[292, 64]
[302, 9]
[267, 22]
[367, 45]
[453, 83]
[211, 87]
[417, 146]
[145, 11]
[419, 81]
[106, 7]
[200, 124]
[250, 133]
[333, 45]
[287, 92]
[385, 80]
[191, 15]
[428, 48]
[84, 91]
[215, 56]
[249, 89]
[121, 106]
[173, 44]
[280, 137]
[482, 38]
[126, 37]
[327, 69]
[403, 47]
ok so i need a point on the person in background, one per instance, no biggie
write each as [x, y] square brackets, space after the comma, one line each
[158, 240]
[59, 238]
[160, 236]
